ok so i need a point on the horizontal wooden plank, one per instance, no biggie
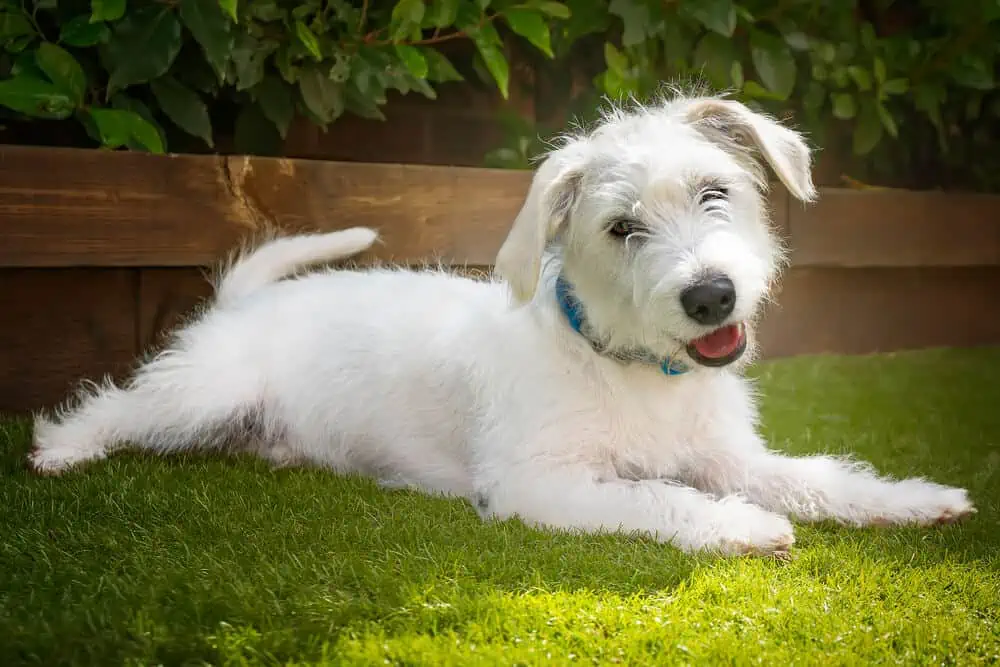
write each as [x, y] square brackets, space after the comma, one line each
[863, 311]
[853, 228]
[73, 207]
[167, 296]
[46, 351]
[61, 326]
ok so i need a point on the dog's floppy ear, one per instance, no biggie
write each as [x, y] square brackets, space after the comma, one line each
[546, 208]
[782, 147]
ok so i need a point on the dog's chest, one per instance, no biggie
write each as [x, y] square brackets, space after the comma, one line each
[657, 423]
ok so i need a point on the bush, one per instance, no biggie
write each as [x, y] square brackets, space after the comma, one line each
[123, 68]
[905, 92]
[909, 88]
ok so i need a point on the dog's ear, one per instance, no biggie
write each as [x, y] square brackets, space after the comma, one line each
[546, 208]
[782, 147]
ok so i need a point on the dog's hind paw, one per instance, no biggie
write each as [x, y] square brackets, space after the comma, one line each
[57, 460]
[54, 451]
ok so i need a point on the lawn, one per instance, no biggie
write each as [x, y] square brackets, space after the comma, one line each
[199, 559]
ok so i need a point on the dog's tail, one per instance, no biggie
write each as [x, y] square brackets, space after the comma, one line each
[279, 258]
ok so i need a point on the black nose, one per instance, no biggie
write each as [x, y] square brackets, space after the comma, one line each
[709, 301]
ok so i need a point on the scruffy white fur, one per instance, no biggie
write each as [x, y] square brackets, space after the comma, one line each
[480, 389]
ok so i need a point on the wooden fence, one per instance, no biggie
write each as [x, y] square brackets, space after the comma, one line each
[101, 252]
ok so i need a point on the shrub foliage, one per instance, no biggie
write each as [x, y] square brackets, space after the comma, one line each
[906, 85]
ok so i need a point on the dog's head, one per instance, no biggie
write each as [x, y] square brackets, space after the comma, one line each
[657, 219]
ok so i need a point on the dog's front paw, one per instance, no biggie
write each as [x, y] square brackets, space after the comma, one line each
[749, 530]
[923, 503]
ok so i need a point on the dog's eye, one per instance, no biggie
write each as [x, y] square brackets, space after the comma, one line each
[713, 193]
[622, 227]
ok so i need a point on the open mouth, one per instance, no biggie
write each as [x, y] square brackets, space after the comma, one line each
[719, 348]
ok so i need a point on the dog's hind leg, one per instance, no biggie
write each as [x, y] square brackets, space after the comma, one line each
[183, 399]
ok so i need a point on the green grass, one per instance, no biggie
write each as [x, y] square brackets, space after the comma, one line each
[196, 559]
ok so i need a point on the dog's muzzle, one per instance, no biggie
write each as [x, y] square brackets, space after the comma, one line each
[719, 348]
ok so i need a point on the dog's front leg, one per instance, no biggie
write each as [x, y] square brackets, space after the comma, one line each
[582, 499]
[815, 488]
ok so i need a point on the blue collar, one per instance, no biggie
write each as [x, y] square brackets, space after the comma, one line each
[573, 310]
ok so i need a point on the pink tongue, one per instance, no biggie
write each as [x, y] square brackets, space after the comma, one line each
[719, 343]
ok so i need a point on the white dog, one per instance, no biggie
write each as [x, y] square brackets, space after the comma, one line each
[598, 389]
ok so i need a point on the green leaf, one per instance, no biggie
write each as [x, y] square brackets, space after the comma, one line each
[255, 134]
[616, 61]
[24, 64]
[972, 72]
[753, 89]
[888, 122]
[35, 97]
[554, 9]
[678, 45]
[62, 70]
[442, 13]
[862, 79]
[360, 104]
[879, 69]
[505, 158]
[275, 100]
[868, 130]
[412, 59]
[827, 52]
[896, 86]
[586, 18]
[124, 102]
[284, 61]
[184, 107]
[774, 63]
[843, 106]
[341, 68]
[119, 127]
[143, 46]
[14, 24]
[308, 40]
[928, 98]
[868, 36]
[716, 15]
[369, 72]
[106, 10]
[530, 25]
[212, 30]
[424, 88]
[840, 76]
[405, 19]
[635, 19]
[18, 44]
[439, 68]
[248, 58]
[264, 10]
[81, 32]
[229, 7]
[797, 40]
[488, 44]
[814, 97]
[322, 97]
[736, 74]
[715, 55]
